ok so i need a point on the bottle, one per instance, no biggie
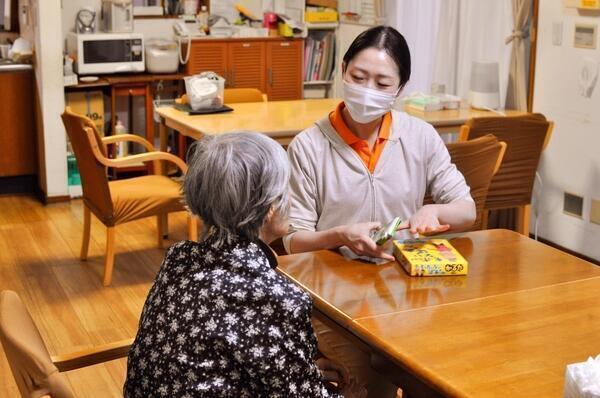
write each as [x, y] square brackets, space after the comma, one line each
[123, 146]
[203, 19]
[68, 66]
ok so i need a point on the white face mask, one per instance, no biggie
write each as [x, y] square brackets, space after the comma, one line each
[366, 104]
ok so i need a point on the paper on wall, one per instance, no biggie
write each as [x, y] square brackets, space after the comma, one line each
[588, 77]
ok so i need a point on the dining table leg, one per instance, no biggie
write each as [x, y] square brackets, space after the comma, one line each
[163, 132]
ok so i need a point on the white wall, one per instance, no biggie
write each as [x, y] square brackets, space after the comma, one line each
[572, 160]
[346, 35]
[41, 30]
[151, 28]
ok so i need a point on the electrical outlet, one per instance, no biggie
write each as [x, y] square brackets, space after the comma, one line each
[573, 205]
[595, 211]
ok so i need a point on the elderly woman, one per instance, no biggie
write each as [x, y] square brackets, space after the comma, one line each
[219, 321]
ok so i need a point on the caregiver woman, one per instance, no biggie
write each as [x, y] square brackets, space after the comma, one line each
[365, 164]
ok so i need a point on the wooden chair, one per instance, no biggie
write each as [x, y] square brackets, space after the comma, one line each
[238, 95]
[478, 160]
[35, 371]
[118, 202]
[526, 137]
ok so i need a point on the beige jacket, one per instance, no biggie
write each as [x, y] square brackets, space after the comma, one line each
[331, 186]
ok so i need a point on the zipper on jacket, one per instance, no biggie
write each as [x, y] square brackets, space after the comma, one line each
[371, 182]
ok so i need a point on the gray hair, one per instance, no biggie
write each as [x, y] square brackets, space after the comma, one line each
[233, 181]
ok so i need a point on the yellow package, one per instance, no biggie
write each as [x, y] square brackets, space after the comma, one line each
[430, 257]
[89, 103]
[321, 16]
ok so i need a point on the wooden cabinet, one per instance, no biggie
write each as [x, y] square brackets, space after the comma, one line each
[284, 60]
[272, 65]
[207, 55]
[17, 128]
[246, 65]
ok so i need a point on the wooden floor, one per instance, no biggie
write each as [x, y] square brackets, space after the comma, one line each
[39, 249]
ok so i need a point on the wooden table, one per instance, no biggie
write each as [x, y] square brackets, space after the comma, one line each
[509, 328]
[282, 120]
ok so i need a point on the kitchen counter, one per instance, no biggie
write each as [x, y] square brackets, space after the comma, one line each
[9, 66]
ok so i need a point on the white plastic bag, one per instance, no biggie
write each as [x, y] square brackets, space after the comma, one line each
[582, 380]
[205, 91]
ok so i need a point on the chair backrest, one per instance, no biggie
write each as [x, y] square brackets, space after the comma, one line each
[237, 95]
[27, 355]
[478, 160]
[525, 137]
[94, 182]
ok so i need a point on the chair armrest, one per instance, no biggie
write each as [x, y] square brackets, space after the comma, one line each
[129, 137]
[463, 135]
[548, 135]
[500, 157]
[92, 356]
[133, 159]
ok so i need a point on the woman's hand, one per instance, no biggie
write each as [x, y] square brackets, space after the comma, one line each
[425, 222]
[357, 238]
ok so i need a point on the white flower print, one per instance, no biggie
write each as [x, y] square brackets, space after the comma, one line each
[231, 319]
[232, 338]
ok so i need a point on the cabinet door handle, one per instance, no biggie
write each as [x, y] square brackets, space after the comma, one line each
[284, 44]
[270, 75]
[245, 44]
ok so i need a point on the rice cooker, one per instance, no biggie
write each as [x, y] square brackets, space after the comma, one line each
[162, 56]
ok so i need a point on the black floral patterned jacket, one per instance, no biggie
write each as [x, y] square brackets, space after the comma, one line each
[221, 322]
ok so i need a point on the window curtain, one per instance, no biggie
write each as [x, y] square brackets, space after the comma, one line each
[471, 30]
[516, 96]
[417, 20]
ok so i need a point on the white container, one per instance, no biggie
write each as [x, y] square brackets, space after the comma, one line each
[123, 146]
[205, 91]
[161, 56]
[485, 85]
[4, 48]
[117, 16]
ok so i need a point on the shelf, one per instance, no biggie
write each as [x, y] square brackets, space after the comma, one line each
[321, 25]
[318, 82]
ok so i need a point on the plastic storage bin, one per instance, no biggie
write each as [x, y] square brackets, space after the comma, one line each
[205, 91]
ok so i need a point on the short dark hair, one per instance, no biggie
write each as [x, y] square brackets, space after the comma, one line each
[383, 38]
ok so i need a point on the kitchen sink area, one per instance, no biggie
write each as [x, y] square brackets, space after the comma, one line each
[8, 65]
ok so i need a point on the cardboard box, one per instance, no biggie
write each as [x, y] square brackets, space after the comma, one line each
[430, 257]
[89, 103]
[321, 16]
[322, 3]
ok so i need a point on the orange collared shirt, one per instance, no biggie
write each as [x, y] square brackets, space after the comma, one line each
[360, 146]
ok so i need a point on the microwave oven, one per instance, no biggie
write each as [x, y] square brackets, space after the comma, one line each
[98, 53]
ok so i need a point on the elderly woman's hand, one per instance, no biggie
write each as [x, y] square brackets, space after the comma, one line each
[333, 372]
[354, 390]
[357, 238]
